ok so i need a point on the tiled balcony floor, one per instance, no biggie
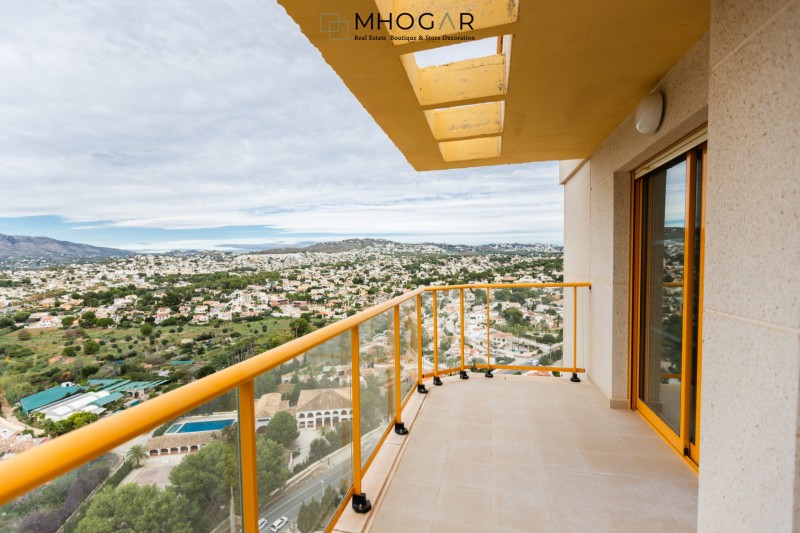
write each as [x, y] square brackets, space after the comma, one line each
[532, 454]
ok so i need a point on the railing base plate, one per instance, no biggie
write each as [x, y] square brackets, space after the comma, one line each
[421, 389]
[463, 374]
[361, 504]
[489, 374]
[575, 378]
[400, 428]
[437, 381]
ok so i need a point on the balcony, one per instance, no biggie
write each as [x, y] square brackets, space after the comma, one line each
[240, 449]
[530, 454]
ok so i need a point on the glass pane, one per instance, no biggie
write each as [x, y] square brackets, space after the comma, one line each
[303, 436]
[527, 327]
[449, 329]
[183, 476]
[474, 327]
[427, 332]
[663, 258]
[376, 366]
[408, 346]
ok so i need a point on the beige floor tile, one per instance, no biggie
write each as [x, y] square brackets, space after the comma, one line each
[473, 431]
[504, 453]
[612, 464]
[555, 458]
[518, 479]
[469, 450]
[670, 469]
[577, 488]
[548, 421]
[647, 446]
[401, 521]
[447, 525]
[422, 467]
[512, 434]
[630, 522]
[604, 442]
[434, 429]
[559, 438]
[680, 499]
[404, 495]
[582, 518]
[464, 505]
[632, 495]
[423, 444]
[476, 474]
[521, 510]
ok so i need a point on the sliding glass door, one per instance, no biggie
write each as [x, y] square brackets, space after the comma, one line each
[668, 233]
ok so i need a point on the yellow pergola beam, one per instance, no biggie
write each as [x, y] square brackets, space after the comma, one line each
[576, 71]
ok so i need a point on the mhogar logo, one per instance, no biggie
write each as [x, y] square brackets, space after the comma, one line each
[337, 28]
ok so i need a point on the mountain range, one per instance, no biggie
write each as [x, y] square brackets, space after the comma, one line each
[19, 246]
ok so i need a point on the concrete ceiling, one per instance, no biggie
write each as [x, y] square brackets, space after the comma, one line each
[563, 76]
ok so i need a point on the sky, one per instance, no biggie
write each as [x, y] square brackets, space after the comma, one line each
[156, 125]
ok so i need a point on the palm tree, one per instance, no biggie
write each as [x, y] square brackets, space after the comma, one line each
[136, 454]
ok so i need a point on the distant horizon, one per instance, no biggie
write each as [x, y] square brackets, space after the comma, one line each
[234, 239]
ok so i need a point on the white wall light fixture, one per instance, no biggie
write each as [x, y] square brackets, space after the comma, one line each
[649, 112]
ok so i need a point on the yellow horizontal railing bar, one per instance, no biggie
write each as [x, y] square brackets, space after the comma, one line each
[508, 286]
[539, 368]
[38, 465]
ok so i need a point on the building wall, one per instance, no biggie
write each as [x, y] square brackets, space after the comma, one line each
[751, 333]
[597, 194]
[743, 78]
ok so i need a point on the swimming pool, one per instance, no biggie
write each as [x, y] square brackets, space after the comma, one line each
[197, 427]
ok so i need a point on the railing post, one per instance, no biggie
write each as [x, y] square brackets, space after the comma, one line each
[574, 378]
[247, 450]
[463, 373]
[488, 333]
[436, 379]
[399, 427]
[420, 386]
[360, 502]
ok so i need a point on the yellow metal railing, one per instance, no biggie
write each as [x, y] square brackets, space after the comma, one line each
[41, 464]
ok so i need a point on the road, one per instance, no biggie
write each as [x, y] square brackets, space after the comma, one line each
[288, 504]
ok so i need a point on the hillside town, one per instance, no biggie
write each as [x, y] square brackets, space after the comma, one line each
[82, 341]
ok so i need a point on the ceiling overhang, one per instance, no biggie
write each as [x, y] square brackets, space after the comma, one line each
[562, 77]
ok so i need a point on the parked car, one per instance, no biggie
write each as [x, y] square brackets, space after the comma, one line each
[278, 524]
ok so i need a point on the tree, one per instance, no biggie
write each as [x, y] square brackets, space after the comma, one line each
[74, 421]
[88, 319]
[299, 327]
[205, 371]
[67, 321]
[135, 508]
[146, 329]
[272, 470]
[21, 316]
[104, 322]
[136, 454]
[207, 477]
[282, 429]
[318, 449]
[90, 347]
[6, 322]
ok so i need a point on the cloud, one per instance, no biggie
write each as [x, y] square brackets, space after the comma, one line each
[202, 114]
